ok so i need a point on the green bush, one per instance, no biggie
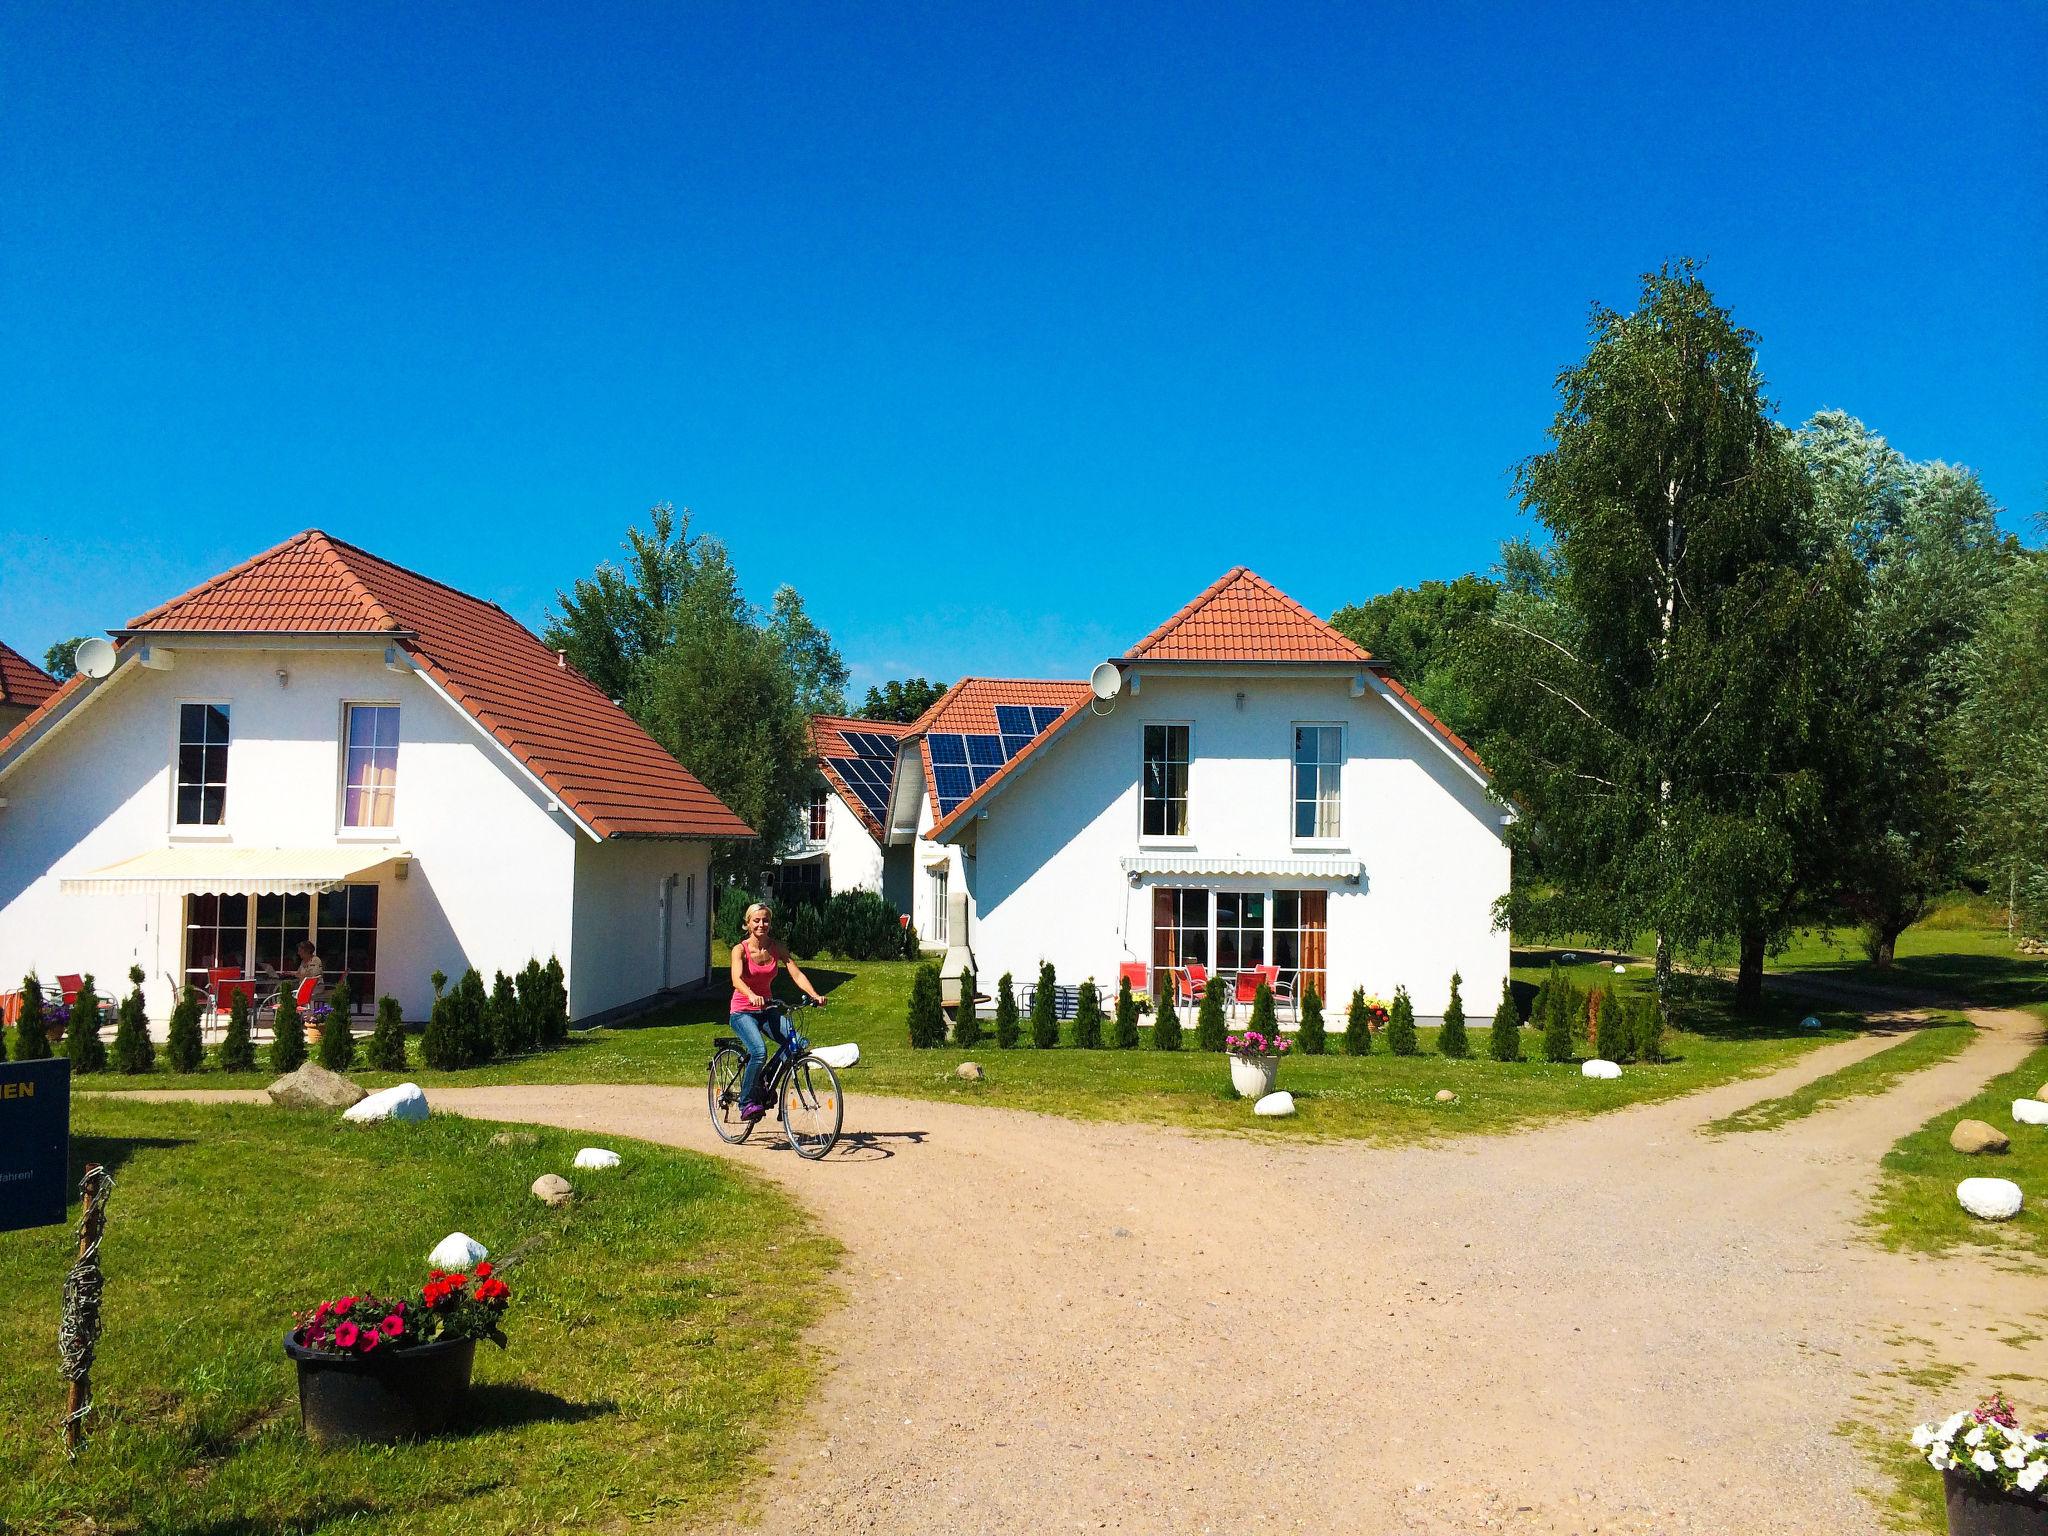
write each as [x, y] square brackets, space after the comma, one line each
[927, 1017]
[1045, 1010]
[184, 1049]
[134, 1052]
[806, 932]
[730, 921]
[82, 1035]
[534, 999]
[1088, 1018]
[1649, 1030]
[444, 1044]
[966, 1025]
[1450, 1040]
[1262, 1020]
[31, 1029]
[238, 1045]
[554, 1016]
[1006, 1014]
[287, 1036]
[1124, 1034]
[1558, 1008]
[1607, 1025]
[1401, 1024]
[503, 1019]
[1165, 1022]
[385, 1049]
[1357, 1026]
[860, 925]
[1311, 1039]
[472, 1005]
[1506, 1041]
[1211, 1029]
[337, 1031]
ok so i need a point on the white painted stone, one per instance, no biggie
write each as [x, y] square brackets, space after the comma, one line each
[1281, 1103]
[2030, 1112]
[405, 1102]
[838, 1057]
[1992, 1199]
[1599, 1068]
[1620, 969]
[596, 1157]
[458, 1250]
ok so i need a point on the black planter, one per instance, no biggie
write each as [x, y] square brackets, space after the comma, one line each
[397, 1394]
[1976, 1509]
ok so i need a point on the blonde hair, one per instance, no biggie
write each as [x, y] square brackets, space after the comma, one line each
[757, 906]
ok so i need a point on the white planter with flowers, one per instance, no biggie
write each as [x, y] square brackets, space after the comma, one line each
[1255, 1061]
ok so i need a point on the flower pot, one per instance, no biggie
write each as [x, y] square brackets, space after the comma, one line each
[1975, 1508]
[1252, 1076]
[391, 1395]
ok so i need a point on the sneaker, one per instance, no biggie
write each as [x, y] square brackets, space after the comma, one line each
[749, 1113]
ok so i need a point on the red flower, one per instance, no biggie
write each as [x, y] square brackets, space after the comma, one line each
[345, 1336]
[483, 1270]
[393, 1326]
[370, 1339]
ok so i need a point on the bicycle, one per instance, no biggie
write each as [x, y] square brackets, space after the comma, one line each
[804, 1089]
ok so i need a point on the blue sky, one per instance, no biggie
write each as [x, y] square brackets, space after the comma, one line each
[999, 331]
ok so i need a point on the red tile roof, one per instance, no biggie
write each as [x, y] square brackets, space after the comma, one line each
[21, 680]
[970, 706]
[1243, 617]
[589, 752]
[828, 743]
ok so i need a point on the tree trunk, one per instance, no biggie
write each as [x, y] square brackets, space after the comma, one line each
[1749, 974]
[1886, 947]
[1664, 977]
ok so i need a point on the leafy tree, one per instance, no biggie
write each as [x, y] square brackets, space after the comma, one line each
[1211, 1029]
[237, 1043]
[1450, 1040]
[1165, 1022]
[1357, 1026]
[184, 1047]
[813, 660]
[1505, 1042]
[927, 1017]
[134, 1052]
[1088, 1018]
[1045, 1010]
[1401, 1024]
[1124, 1035]
[287, 1036]
[1417, 631]
[61, 659]
[82, 1043]
[1661, 680]
[1310, 1037]
[385, 1049]
[901, 701]
[337, 1031]
[1006, 1014]
[966, 1027]
[31, 1031]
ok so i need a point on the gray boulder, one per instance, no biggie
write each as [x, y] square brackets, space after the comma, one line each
[314, 1087]
[968, 1071]
[1975, 1136]
[553, 1190]
[1445, 1096]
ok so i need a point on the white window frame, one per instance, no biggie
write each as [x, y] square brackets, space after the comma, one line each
[342, 830]
[199, 831]
[1160, 839]
[1294, 796]
[938, 885]
[818, 814]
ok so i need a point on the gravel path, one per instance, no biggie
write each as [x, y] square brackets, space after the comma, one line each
[1615, 1324]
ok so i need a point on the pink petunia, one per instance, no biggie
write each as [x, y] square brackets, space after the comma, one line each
[393, 1326]
[370, 1339]
[345, 1336]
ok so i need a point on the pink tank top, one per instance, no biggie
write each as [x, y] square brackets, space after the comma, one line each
[760, 977]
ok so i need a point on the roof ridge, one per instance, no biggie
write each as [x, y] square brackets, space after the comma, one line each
[1242, 574]
[1305, 611]
[406, 570]
[1188, 608]
[329, 550]
[223, 577]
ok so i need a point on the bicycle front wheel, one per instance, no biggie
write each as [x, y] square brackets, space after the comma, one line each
[722, 1090]
[812, 1108]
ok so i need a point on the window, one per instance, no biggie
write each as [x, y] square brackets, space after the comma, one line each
[244, 935]
[216, 937]
[935, 924]
[1165, 812]
[345, 938]
[1180, 928]
[282, 922]
[202, 765]
[1301, 939]
[818, 798]
[1318, 781]
[370, 772]
[1240, 930]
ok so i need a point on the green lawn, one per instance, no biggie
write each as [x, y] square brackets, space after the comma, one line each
[1946, 956]
[656, 1329]
[1938, 1041]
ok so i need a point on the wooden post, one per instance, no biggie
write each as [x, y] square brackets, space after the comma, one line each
[78, 1330]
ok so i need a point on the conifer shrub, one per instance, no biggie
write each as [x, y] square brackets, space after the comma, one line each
[927, 1017]
[287, 1036]
[384, 1051]
[184, 1049]
[1045, 1010]
[1123, 1034]
[1451, 1040]
[1311, 1039]
[238, 1044]
[806, 932]
[1559, 1009]
[443, 1044]
[1616, 1028]
[31, 1027]
[134, 1053]
[472, 1011]
[1649, 1030]
[1401, 1025]
[966, 1024]
[861, 925]
[337, 1031]
[1088, 1018]
[82, 1041]
[730, 920]
[1505, 1044]
[1357, 1026]
[532, 986]
[507, 1025]
[554, 1018]
[1211, 1029]
[1262, 1021]
[1166, 1023]
[1006, 1014]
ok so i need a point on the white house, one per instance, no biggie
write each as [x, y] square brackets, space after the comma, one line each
[318, 744]
[23, 686]
[843, 846]
[1254, 789]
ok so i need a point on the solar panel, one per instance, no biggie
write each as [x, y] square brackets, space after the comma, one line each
[985, 751]
[1014, 720]
[1012, 745]
[983, 772]
[954, 784]
[1043, 715]
[949, 749]
[868, 744]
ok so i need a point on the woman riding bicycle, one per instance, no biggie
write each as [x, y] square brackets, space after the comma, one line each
[755, 960]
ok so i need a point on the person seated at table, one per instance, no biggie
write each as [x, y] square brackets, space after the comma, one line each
[309, 965]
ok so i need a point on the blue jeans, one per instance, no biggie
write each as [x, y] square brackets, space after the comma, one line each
[752, 1028]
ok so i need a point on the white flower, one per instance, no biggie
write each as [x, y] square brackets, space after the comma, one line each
[1938, 1459]
[1923, 1437]
[1975, 1436]
[1985, 1460]
[2030, 1479]
[1950, 1425]
[2013, 1456]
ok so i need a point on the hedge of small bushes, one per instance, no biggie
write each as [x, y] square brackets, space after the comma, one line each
[853, 925]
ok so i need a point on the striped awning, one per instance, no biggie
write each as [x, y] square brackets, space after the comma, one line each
[1297, 866]
[225, 870]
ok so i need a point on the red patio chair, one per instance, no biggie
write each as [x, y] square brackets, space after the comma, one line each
[68, 988]
[1189, 982]
[1133, 971]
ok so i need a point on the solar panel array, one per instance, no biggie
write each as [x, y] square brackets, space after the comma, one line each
[964, 761]
[871, 771]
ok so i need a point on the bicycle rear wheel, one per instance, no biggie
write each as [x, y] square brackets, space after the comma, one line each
[722, 1090]
[812, 1108]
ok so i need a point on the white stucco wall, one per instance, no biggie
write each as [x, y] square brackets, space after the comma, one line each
[852, 855]
[1043, 866]
[616, 956]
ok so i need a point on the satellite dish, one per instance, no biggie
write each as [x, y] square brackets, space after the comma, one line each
[94, 657]
[1106, 681]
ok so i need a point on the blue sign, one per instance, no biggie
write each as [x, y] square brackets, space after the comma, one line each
[35, 1143]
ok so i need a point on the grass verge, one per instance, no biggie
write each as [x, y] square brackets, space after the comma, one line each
[1936, 1042]
[655, 1329]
